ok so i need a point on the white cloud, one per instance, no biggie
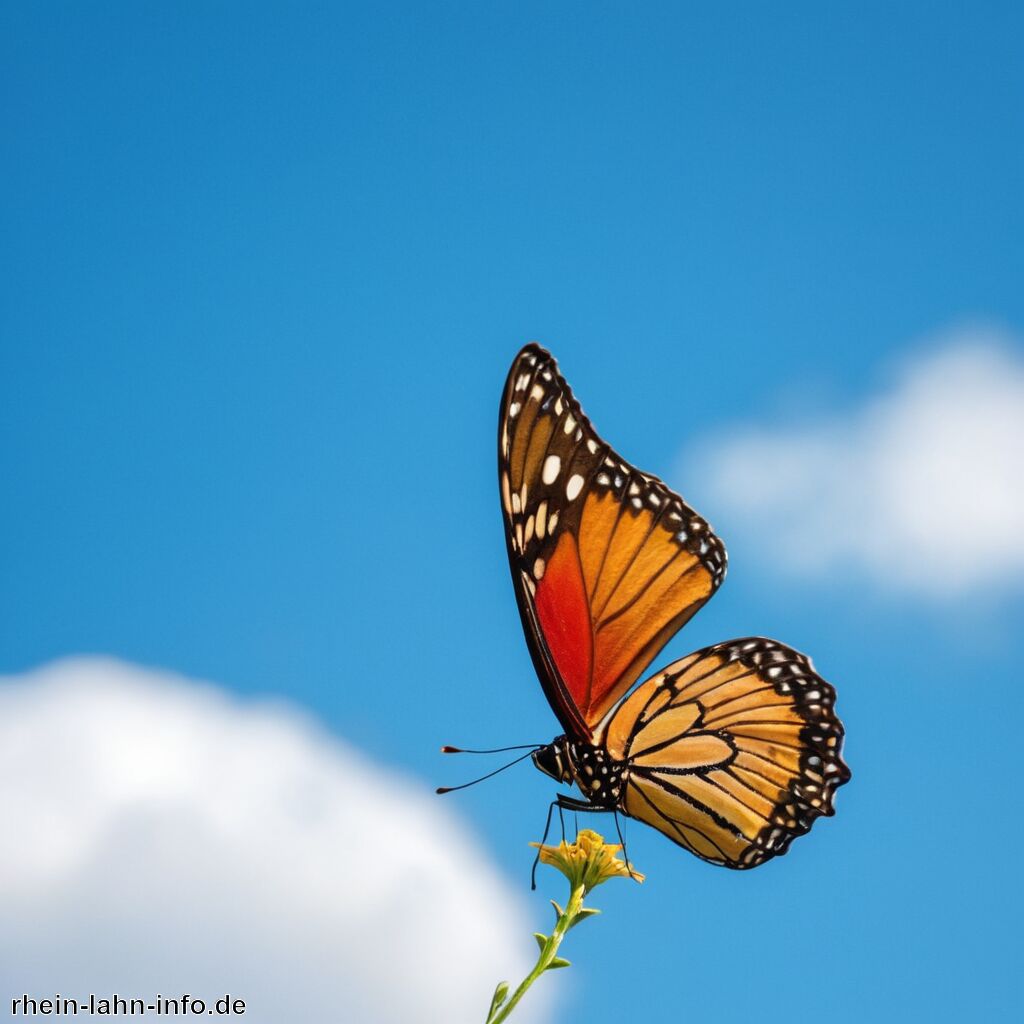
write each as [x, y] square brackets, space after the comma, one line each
[160, 836]
[921, 487]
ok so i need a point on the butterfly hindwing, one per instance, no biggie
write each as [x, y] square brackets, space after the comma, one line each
[731, 752]
[607, 562]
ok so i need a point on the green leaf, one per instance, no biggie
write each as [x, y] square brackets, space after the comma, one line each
[584, 913]
[558, 962]
[542, 940]
[500, 995]
[558, 910]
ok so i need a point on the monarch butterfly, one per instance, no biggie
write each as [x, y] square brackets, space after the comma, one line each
[732, 751]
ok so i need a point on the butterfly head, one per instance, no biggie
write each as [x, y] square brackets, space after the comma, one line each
[554, 760]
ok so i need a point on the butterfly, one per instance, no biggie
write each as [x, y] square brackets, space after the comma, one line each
[732, 751]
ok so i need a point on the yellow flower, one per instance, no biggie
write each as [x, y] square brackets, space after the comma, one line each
[588, 862]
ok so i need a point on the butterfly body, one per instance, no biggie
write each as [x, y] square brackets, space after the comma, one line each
[731, 752]
[599, 776]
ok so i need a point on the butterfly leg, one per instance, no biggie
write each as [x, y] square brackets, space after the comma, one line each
[571, 804]
[618, 828]
[544, 839]
[568, 803]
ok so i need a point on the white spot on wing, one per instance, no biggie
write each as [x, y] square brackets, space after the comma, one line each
[538, 568]
[574, 486]
[552, 467]
[542, 515]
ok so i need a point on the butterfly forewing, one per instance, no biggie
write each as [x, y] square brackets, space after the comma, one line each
[607, 562]
[731, 752]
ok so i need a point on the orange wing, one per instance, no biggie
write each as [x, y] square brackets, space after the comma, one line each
[607, 562]
[732, 752]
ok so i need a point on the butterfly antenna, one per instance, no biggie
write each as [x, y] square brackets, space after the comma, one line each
[489, 775]
[497, 750]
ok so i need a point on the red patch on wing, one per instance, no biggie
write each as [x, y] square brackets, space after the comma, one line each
[564, 615]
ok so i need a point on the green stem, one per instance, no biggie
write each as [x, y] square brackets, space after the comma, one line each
[547, 954]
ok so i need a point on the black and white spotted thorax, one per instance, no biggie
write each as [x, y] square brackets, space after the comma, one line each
[599, 777]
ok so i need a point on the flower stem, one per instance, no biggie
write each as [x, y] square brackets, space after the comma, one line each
[548, 955]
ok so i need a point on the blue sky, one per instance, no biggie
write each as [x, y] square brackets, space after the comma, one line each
[264, 272]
